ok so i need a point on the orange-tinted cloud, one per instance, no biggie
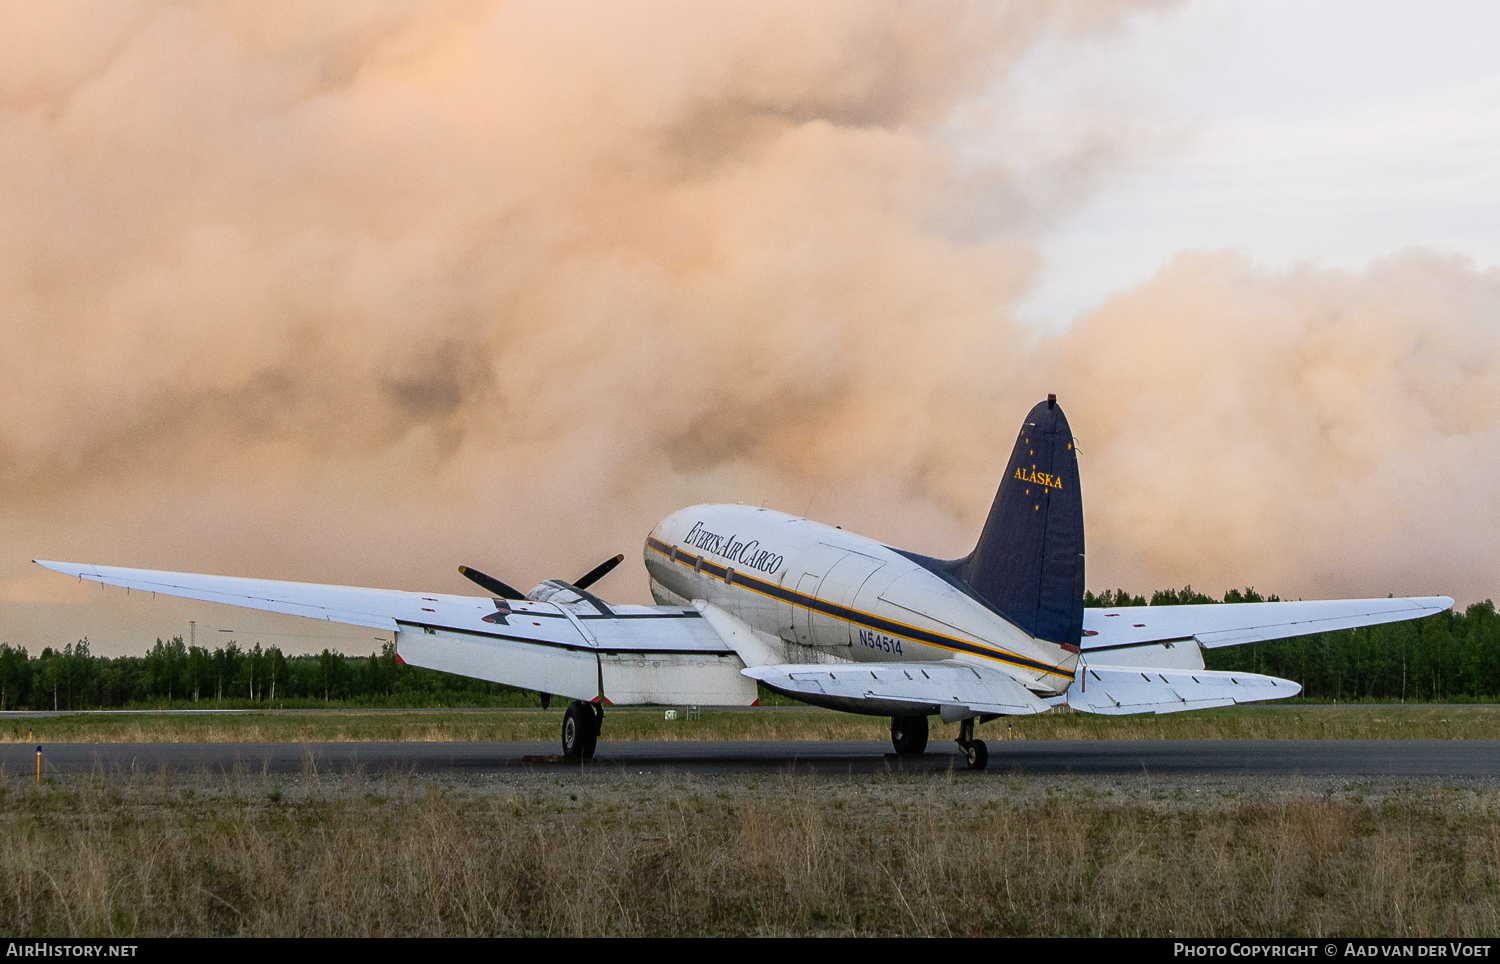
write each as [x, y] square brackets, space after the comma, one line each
[1319, 431]
[358, 294]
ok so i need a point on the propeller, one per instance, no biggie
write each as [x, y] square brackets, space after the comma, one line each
[504, 591]
[598, 572]
[490, 583]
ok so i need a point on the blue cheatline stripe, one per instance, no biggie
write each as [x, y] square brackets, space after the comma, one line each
[856, 616]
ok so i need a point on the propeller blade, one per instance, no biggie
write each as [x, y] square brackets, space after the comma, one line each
[598, 572]
[493, 585]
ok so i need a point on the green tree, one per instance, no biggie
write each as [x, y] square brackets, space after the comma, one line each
[198, 669]
[255, 671]
[1186, 596]
[1111, 599]
[275, 668]
[15, 676]
[49, 672]
[166, 669]
[225, 667]
[330, 674]
[75, 667]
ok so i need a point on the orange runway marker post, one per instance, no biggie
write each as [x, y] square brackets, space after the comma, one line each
[38, 766]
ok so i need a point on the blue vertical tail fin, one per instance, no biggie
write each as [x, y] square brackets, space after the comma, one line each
[1028, 564]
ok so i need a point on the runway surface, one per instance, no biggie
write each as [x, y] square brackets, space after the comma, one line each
[1230, 758]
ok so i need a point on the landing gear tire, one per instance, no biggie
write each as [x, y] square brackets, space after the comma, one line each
[909, 734]
[580, 733]
[976, 754]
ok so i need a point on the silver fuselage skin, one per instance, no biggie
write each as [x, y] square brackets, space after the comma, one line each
[833, 596]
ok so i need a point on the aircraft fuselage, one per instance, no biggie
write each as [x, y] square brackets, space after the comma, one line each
[832, 596]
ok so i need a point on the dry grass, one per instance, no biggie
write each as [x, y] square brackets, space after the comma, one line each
[1304, 722]
[597, 854]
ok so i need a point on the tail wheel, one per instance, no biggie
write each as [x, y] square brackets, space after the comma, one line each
[580, 730]
[909, 734]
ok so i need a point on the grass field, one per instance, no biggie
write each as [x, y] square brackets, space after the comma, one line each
[1297, 722]
[612, 853]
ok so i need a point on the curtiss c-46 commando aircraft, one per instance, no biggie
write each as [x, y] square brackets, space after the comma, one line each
[747, 595]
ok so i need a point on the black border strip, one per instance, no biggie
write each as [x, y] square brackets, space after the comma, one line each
[1145, 642]
[688, 614]
[580, 646]
[858, 617]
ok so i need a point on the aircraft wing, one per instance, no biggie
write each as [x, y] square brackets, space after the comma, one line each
[375, 608]
[949, 687]
[1122, 690]
[1234, 624]
[641, 654]
[582, 624]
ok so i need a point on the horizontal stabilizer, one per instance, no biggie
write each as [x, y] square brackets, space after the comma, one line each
[890, 688]
[1223, 624]
[1121, 690]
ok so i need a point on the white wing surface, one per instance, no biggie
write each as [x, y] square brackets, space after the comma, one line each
[1121, 690]
[581, 622]
[567, 646]
[375, 608]
[948, 686]
[1234, 624]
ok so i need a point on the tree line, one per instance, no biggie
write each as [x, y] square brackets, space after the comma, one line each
[1449, 656]
[175, 675]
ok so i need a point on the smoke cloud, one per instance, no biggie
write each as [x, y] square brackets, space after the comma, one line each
[1322, 431]
[360, 294]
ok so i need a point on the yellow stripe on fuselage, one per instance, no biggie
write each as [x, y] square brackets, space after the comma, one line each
[926, 637]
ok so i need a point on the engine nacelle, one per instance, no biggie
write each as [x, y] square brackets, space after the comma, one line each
[555, 591]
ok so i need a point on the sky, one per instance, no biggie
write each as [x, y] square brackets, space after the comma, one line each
[357, 295]
[1332, 133]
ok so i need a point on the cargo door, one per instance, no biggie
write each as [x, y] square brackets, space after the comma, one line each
[840, 588]
[814, 565]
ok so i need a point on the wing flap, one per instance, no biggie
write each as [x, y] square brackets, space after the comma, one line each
[663, 629]
[1233, 625]
[948, 685]
[1121, 690]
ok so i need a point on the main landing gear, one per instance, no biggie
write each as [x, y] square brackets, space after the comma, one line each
[581, 724]
[975, 752]
[909, 734]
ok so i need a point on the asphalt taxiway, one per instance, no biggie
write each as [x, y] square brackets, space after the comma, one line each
[1230, 758]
